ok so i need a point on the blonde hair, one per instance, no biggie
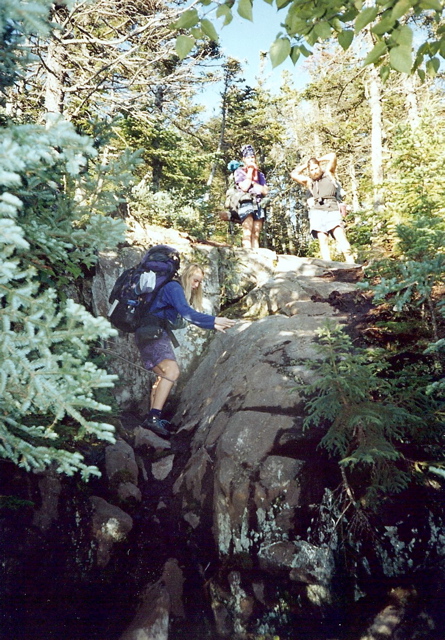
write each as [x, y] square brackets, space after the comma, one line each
[193, 296]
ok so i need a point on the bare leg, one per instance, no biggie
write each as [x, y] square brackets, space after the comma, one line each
[256, 230]
[323, 241]
[343, 244]
[247, 226]
[168, 372]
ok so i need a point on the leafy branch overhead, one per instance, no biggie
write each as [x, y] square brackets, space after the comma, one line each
[390, 26]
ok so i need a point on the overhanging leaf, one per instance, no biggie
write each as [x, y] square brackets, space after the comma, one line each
[323, 30]
[365, 17]
[183, 46]
[401, 59]
[282, 3]
[376, 52]
[404, 36]
[384, 72]
[400, 8]
[224, 10]
[305, 52]
[295, 54]
[436, 5]
[209, 30]
[345, 38]
[245, 9]
[384, 26]
[432, 66]
[188, 19]
[279, 51]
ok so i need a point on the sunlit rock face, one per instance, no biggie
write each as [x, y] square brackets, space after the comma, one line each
[233, 527]
[253, 474]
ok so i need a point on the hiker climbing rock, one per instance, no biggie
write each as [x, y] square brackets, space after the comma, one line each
[250, 180]
[325, 211]
[175, 301]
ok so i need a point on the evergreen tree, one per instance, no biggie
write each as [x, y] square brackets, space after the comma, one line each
[55, 191]
[373, 417]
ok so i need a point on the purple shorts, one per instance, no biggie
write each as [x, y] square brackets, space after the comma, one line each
[156, 351]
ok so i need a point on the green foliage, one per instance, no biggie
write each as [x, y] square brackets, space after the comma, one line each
[252, 117]
[414, 214]
[12, 503]
[371, 416]
[413, 283]
[56, 189]
[45, 375]
[17, 20]
[415, 185]
[308, 23]
[57, 202]
[167, 209]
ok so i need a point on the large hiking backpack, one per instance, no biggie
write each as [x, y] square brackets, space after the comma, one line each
[136, 288]
[234, 198]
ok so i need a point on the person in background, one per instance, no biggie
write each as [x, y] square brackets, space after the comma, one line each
[177, 299]
[325, 211]
[250, 179]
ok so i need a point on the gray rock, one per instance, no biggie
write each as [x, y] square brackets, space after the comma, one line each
[109, 525]
[50, 487]
[162, 467]
[146, 438]
[120, 461]
[129, 491]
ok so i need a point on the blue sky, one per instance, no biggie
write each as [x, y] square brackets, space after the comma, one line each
[244, 40]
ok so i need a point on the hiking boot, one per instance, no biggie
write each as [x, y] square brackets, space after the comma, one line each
[156, 425]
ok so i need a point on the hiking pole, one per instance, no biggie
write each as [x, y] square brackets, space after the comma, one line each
[151, 374]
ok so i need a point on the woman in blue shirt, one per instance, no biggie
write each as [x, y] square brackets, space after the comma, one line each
[176, 299]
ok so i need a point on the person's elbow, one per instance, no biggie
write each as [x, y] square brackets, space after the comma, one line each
[297, 176]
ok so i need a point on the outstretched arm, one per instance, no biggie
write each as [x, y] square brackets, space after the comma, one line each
[300, 177]
[222, 323]
[329, 160]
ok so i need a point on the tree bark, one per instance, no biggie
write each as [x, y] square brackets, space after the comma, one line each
[375, 105]
[55, 64]
[411, 102]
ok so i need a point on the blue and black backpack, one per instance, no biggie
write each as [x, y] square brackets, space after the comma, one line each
[136, 289]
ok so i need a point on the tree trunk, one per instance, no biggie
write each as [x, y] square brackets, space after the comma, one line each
[354, 185]
[157, 164]
[231, 68]
[375, 105]
[55, 75]
[412, 106]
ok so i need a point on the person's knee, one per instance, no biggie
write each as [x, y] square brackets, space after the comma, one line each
[172, 371]
[168, 369]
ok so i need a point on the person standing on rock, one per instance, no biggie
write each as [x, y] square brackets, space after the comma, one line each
[325, 212]
[176, 300]
[251, 180]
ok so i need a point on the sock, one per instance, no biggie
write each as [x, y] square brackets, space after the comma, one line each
[155, 412]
